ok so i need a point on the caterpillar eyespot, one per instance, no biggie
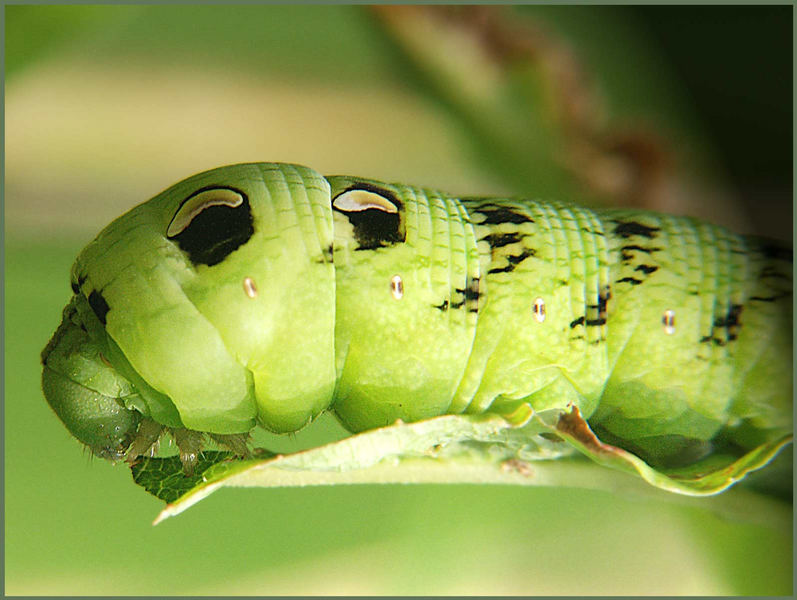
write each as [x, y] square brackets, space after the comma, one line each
[199, 202]
[326, 321]
[357, 200]
[210, 224]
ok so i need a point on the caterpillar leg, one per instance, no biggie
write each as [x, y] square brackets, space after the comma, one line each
[237, 443]
[145, 442]
[189, 445]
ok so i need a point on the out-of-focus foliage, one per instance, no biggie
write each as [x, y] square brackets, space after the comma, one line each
[107, 105]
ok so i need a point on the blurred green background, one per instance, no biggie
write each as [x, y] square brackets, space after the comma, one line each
[681, 109]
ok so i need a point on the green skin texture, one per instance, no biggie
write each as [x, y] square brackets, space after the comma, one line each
[188, 347]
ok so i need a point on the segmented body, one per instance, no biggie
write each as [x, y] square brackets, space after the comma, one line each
[386, 301]
[664, 329]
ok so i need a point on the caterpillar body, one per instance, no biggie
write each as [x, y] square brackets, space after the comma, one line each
[267, 293]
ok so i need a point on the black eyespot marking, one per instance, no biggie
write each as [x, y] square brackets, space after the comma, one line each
[627, 229]
[376, 224]
[98, 305]
[75, 288]
[214, 229]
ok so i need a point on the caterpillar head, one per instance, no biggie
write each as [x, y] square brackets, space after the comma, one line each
[84, 390]
[191, 311]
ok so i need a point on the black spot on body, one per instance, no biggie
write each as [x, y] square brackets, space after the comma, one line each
[506, 269]
[577, 322]
[499, 240]
[730, 322]
[625, 251]
[495, 215]
[75, 288]
[470, 296]
[513, 260]
[631, 280]
[629, 228]
[442, 307]
[776, 251]
[646, 269]
[603, 298]
[772, 273]
[374, 228]
[772, 298]
[217, 231]
[731, 319]
[327, 256]
[98, 305]
[588, 322]
[471, 291]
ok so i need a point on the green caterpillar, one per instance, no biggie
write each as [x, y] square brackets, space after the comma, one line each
[264, 294]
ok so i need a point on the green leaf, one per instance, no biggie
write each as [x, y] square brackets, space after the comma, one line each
[524, 448]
